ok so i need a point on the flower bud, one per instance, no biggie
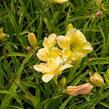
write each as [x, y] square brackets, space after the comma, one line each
[69, 26]
[97, 79]
[60, 1]
[63, 82]
[2, 34]
[32, 39]
[98, 2]
[83, 89]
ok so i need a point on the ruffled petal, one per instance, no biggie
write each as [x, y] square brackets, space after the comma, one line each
[46, 44]
[58, 62]
[80, 36]
[55, 65]
[52, 40]
[86, 47]
[66, 54]
[42, 54]
[75, 36]
[49, 42]
[62, 42]
[42, 67]
[54, 52]
[66, 66]
[47, 77]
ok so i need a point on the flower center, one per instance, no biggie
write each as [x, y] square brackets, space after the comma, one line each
[73, 46]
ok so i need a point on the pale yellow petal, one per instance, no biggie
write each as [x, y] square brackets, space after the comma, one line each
[52, 40]
[47, 77]
[46, 44]
[66, 54]
[49, 42]
[54, 52]
[55, 65]
[80, 36]
[74, 58]
[42, 67]
[71, 35]
[75, 36]
[80, 54]
[86, 47]
[58, 61]
[66, 66]
[62, 42]
[42, 54]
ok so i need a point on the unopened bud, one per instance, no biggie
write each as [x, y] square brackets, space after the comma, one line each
[83, 89]
[98, 2]
[32, 39]
[99, 13]
[2, 34]
[97, 79]
[63, 82]
[69, 26]
[60, 1]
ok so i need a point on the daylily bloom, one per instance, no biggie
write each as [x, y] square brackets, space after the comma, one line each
[32, 39]
[60, 1]
[74, 45]
[51, 69]
[97, 79]
[49, 51]
[83, 89]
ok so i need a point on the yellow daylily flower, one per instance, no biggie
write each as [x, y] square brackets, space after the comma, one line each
[97, 79]
[49, 51]
[51, 69]
[74, 45]
[60, 1]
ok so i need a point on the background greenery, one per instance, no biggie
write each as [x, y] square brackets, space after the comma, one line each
[21, 86]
